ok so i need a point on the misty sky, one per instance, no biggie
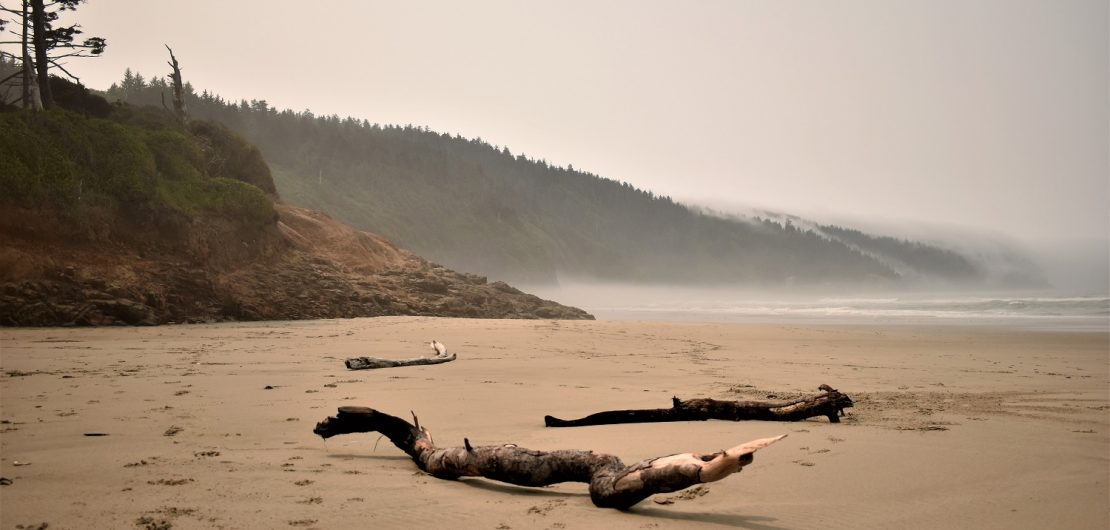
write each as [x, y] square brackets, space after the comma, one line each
[989, 114]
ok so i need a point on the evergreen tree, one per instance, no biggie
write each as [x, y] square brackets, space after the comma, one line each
[53, 43]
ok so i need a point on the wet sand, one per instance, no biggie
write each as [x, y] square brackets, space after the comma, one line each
[210, 426]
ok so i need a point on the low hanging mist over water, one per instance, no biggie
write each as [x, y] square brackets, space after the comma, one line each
[1029, 309]
[1063, 266]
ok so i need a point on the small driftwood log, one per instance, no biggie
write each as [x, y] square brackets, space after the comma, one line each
[612, 483]
[831, 404]
[371, 363]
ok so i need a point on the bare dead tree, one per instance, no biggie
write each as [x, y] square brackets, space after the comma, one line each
[178, 89]
[831, 404]
[612, 483]
[26, 67]
[28, 90]
[25, 58]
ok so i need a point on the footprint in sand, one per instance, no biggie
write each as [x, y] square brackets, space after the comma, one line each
[543, 509]
[147, 522]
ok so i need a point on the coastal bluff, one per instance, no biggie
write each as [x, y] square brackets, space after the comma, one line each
[123, 215]
[304, 266]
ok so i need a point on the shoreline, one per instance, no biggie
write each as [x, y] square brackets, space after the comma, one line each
[954, 426]
[1091, 324]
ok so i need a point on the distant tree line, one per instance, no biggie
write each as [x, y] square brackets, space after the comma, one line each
[482, 208]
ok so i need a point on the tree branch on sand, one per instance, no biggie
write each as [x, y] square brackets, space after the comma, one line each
[612, 483]
[372, 363]
[831, 404]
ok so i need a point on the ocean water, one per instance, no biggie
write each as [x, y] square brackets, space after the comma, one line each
[1034, 311]
[1057, 313]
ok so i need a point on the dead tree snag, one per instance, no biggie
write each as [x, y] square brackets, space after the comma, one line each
[179, 110]
[612, 483]
[831, 404]
[372, 363]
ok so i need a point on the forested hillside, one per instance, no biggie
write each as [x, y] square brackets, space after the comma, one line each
[116, 214]
[481, 208]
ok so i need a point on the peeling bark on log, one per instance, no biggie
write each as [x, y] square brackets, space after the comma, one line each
[831, 404]
[372, 363]
[612, 483]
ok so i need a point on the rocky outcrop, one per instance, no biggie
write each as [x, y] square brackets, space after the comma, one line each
[305, 266]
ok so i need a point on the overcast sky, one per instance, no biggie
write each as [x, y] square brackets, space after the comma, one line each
[989, 114]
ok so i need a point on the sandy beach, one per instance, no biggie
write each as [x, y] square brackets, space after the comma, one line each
[210, 426]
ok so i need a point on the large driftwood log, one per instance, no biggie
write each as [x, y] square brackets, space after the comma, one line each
[371, 363]
[612, 483]
[831, 404]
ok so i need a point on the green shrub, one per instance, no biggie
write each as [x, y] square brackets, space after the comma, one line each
[230, 156]
[227, 198]
[59, 159]
[175, 155]
[56, 156]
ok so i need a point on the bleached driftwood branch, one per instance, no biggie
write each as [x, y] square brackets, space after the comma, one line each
[612, 483]
[371, 363]
[831, 404]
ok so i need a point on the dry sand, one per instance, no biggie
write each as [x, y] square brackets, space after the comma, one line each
[954, 427]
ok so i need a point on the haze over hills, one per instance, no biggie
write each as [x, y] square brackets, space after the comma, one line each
[125, 215]
[482, 208]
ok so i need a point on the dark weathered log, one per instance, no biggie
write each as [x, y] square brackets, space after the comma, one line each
[831, 404]
[371, 363]
[612, 483]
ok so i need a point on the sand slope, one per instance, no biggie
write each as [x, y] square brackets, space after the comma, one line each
[954, 427]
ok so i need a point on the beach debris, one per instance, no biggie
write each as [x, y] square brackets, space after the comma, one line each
[613, 484]
[830, 404]
[172, 431]
[5, 481]
[96, 434]
[373, 363]
[18, 463]
[147, 522]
